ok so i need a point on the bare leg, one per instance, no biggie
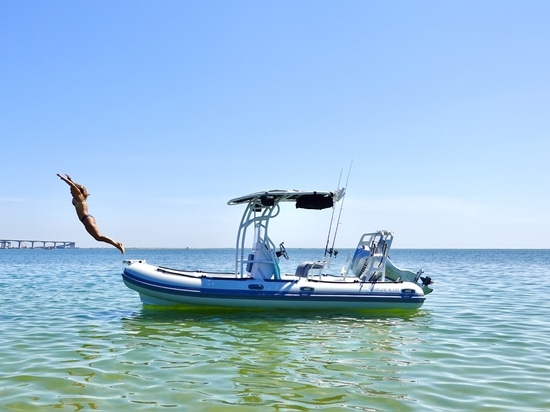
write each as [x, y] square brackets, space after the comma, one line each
[118, 245]
[92, 229]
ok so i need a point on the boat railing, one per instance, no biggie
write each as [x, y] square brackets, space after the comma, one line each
[370, 257]
[262, 259]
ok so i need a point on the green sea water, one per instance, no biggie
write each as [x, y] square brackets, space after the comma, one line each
[74, 338]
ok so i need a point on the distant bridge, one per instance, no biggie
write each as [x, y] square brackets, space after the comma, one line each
[36, 244]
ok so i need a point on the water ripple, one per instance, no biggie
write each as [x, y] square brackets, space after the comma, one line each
[73, 338]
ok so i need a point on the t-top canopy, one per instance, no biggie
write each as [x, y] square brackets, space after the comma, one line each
[304, 200]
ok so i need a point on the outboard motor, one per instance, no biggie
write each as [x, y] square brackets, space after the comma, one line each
[426, 282]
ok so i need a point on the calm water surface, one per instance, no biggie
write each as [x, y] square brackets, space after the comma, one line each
[74, 338]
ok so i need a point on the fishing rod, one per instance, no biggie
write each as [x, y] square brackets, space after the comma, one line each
[340, 212]
[332, 217]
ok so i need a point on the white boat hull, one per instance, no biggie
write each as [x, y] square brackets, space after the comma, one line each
[167, 287]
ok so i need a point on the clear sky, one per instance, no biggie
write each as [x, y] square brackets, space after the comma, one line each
[165, 110]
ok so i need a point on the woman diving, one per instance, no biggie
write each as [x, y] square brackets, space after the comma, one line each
[80, 194]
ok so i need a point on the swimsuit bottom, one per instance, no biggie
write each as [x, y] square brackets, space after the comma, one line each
[83, 218]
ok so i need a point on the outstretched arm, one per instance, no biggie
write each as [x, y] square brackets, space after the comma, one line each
[67, 179]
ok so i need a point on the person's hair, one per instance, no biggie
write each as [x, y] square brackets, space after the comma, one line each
[83, 190]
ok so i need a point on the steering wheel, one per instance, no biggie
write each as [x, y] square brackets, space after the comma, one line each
[282, 250]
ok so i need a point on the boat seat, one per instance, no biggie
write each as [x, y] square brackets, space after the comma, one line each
[303, 268]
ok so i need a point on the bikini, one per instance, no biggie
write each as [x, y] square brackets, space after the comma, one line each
[83, 218]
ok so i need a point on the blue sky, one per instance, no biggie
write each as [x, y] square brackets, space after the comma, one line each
[165, 110]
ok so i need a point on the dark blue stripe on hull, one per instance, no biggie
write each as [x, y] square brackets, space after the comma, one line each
[275, 296]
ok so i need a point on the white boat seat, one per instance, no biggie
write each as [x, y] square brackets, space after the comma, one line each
[303, 268]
